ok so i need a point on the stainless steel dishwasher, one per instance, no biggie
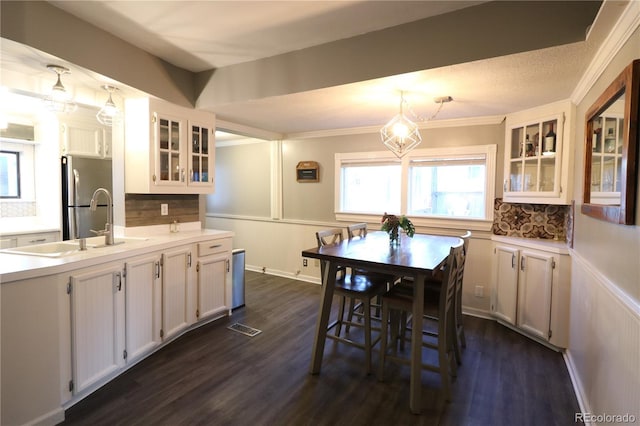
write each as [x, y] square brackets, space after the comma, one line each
[237, 278]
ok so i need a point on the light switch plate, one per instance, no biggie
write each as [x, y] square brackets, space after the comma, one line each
[164, 209]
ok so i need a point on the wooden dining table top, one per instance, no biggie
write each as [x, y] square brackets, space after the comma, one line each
[421, 252]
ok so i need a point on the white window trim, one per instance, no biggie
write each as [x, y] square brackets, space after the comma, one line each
[489, 151]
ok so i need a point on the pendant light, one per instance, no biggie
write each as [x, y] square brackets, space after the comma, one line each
[59, 100]
[400, 135]
[109, 112]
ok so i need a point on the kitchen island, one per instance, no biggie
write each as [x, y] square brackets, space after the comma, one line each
[72, 322]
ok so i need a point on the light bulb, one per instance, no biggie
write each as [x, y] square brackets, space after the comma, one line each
[400, 130]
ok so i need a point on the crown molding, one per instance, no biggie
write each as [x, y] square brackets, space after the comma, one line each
[623, 29]
[434, 124]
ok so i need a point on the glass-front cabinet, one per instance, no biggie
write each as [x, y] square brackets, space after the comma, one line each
[606, 159]
[536, 170]
[170, 170]
[199, 159]
[170, 149]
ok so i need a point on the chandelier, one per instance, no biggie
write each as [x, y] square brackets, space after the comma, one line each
[401, 135]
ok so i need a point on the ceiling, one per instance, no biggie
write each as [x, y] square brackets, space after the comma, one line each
[206, 35]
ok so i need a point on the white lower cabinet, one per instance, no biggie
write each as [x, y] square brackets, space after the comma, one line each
[530, 290]
[177, 292]
[97, 324]
[143, 298]
[213, 270]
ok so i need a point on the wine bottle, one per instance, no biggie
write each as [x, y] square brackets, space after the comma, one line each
[550, 140]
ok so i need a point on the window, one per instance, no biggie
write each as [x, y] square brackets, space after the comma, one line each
[9, 174]
[453, 187]
[429, 185]
[370, 187]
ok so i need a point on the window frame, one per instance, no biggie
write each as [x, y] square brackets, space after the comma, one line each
[488, 151]
[18, 179]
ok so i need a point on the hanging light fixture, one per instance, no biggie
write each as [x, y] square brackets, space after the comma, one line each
[109, 112]
[59, 100]
[400, 134]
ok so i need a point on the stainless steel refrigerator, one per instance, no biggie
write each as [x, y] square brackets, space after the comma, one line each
[80, 178]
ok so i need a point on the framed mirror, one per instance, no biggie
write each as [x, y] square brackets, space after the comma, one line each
[611, 151]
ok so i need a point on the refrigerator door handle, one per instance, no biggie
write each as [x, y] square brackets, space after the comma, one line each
[76, 185]
[73, 224]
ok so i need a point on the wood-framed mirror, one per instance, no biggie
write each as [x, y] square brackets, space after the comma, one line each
[611, 151]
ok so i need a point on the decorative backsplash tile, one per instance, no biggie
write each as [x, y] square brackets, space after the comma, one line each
[531, 220]
[144, 209]
[18, 209]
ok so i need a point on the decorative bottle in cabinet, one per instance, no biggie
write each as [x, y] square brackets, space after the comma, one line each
[550, 140]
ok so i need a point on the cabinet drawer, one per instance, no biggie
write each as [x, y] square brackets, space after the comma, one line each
[207, 248]
[41, 238]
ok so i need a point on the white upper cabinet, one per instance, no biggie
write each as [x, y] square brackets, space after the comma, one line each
[538, 155]
[168, 149]
[86, 138]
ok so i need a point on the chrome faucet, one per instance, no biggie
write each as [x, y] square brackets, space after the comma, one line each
[108, 227]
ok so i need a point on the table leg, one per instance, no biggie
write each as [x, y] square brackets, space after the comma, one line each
[416, 345]
[326, 298]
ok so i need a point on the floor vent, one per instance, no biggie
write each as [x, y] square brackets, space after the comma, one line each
[248, 331]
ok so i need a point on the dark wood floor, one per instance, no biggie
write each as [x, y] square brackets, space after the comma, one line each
[214, 376]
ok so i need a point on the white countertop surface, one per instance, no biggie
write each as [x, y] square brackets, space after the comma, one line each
[17, 267]
[25, 225]
[553, 246]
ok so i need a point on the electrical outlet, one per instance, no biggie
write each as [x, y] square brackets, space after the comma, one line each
[164, 209]
[479, 291]
[304, 263]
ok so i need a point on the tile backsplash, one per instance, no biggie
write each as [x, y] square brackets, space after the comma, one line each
[17, 209]
[532, 220]
[145, 209]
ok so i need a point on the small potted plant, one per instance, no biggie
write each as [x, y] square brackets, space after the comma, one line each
[391, 224]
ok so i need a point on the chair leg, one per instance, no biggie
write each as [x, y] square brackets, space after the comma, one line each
[443, 362]
[384, 325]
[340, 315]
[352, 305]
[366, 303]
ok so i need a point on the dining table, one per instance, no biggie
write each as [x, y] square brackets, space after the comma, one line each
[418, 257]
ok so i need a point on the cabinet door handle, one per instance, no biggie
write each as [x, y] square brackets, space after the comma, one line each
[157, 269]
[504, 186]
[182, 175]
[189, 260]
[228, 265]
[39, 240]
[522, 263]
[119, 281]
[513, 261]
[215, 246]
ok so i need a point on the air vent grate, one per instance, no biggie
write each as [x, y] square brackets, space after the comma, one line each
[246, 330]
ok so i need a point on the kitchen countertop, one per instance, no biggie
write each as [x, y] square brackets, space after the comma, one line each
[25, 225]
[554, 246]
[18, 267]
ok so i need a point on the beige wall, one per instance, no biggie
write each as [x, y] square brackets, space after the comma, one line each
[315, 201]
[604, 341]
[243, 180]
[612, 249]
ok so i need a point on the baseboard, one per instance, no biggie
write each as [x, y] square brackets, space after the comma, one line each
[283, 274]
[479, 313]
[577, 384]
[53, 417]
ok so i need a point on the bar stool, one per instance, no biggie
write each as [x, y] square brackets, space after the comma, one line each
[354, 287]
[398, 300]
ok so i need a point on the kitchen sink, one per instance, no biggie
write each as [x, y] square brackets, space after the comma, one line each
[66, 248]
[57, 249]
